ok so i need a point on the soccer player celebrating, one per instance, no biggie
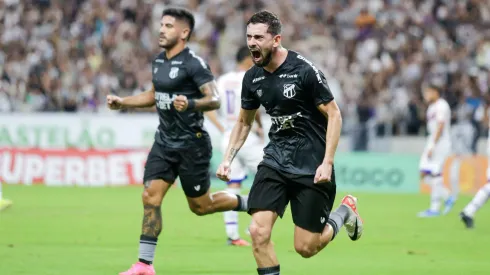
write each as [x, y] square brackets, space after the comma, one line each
[436, 151]
[247, 160]
[183, 88]
[297, 166]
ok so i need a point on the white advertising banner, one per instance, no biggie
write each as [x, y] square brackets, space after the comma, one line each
[82, 131]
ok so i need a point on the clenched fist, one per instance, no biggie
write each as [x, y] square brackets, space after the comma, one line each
[181, 103]
[323, 173]
[114, 102]
[223, 172]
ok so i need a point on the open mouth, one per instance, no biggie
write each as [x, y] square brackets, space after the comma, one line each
[256, 54]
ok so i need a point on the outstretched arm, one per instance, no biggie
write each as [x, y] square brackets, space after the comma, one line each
[239, 134]
[144, 99]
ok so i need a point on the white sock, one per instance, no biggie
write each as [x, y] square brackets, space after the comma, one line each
[438, 194]
[478, 201]
[231, 219]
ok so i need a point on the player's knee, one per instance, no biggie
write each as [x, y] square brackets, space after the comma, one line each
[199, 210]
[261, 235]
[306, 250]
[151, 198]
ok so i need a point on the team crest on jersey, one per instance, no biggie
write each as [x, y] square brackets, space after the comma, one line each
[289, 90]
[174, 71]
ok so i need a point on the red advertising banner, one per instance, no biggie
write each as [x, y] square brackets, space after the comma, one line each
[69, 167]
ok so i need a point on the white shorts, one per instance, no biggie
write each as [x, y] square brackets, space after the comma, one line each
[247, 159]
[435, 164]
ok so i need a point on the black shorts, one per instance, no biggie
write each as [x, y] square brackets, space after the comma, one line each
[191, 164]
[310, 203]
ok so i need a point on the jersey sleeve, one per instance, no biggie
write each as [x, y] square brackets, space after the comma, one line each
[200, 71]
[249, 99]
[316, 82]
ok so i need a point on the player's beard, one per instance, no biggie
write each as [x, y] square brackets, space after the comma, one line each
[266, 59]
[168, 43]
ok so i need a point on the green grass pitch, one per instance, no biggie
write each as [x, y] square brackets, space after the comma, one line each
[91, 231]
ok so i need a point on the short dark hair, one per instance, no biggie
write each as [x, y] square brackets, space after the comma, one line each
[268, 18]
[242, 53]
[181, 14]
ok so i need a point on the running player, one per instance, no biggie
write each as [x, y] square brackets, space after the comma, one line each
[183, 88]
[297, 166]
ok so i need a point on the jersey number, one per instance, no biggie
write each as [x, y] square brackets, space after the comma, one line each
[230, 100]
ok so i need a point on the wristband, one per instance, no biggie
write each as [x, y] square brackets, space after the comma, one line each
[191, 104]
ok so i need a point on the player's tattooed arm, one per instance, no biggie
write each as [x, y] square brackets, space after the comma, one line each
[240, 133]
[233, 152]
[331, 112]
[210, 101]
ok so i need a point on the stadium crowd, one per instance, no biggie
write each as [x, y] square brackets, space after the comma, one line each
[67, 55]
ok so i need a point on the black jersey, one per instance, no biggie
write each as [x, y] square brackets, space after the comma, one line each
[181, 75]
[290, 96]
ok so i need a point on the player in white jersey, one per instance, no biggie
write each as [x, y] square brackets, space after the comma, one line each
[247, 160]
[483, 194]
[436, 151]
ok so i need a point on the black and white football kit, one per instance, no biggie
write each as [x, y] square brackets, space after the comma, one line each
[290, 96]
[182, 146]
